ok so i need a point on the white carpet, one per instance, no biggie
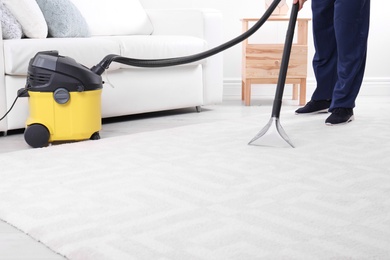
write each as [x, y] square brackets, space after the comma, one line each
[200, 192]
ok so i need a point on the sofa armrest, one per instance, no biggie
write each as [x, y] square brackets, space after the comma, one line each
[205, 24]
[1, 58]
[3, 99]
[202, 23]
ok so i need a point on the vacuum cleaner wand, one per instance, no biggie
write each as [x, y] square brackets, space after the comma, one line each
[273, 129]
[285, 61]
[153, 63]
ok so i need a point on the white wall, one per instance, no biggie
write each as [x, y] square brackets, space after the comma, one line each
[378, 64]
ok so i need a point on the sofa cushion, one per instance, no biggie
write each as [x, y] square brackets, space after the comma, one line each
[90, 51]
[10, 27]
[29, 15]
[115, 17]
[63, 18]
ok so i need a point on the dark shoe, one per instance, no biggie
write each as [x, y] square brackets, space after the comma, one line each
[314, 106]
[340, 116]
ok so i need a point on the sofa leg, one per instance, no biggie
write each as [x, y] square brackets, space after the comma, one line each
[198, 109]
[3, 133]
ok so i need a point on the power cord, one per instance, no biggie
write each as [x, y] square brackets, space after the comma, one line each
[21, 93]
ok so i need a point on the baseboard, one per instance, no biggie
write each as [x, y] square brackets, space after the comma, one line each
[232, 88]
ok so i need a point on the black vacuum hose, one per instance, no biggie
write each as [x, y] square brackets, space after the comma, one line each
[154, 63]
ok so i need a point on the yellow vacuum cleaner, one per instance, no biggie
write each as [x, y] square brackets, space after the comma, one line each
[64, 100]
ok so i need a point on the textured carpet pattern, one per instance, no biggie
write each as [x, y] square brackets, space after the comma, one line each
[200, 192]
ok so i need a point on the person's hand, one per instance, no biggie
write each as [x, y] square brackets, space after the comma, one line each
[301, 2]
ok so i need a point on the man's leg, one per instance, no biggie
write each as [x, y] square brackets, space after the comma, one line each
[325, 57]
[351, 23]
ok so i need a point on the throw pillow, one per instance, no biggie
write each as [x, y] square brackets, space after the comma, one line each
[63, 18]
[10, 27]
[114, 17]
[29, 16]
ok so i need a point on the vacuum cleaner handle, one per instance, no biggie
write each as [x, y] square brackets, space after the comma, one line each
[153, 63]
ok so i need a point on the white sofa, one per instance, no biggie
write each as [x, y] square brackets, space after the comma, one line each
[127, 90]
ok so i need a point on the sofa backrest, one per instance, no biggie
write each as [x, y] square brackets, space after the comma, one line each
[79, 18]
[114, 17]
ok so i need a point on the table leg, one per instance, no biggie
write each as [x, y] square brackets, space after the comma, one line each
[247, 92]
[302, 92]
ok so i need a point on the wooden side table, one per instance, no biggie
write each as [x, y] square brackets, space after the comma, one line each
[261, 62]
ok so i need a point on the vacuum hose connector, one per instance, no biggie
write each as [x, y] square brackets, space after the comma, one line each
[154, 63]
[104, 64]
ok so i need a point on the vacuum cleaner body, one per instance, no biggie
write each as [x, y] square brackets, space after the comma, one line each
[64, 100]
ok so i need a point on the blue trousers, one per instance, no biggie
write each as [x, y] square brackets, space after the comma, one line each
[340, 33]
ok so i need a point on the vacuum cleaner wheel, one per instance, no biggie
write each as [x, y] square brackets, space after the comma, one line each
[95, 136]
[37, 135]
